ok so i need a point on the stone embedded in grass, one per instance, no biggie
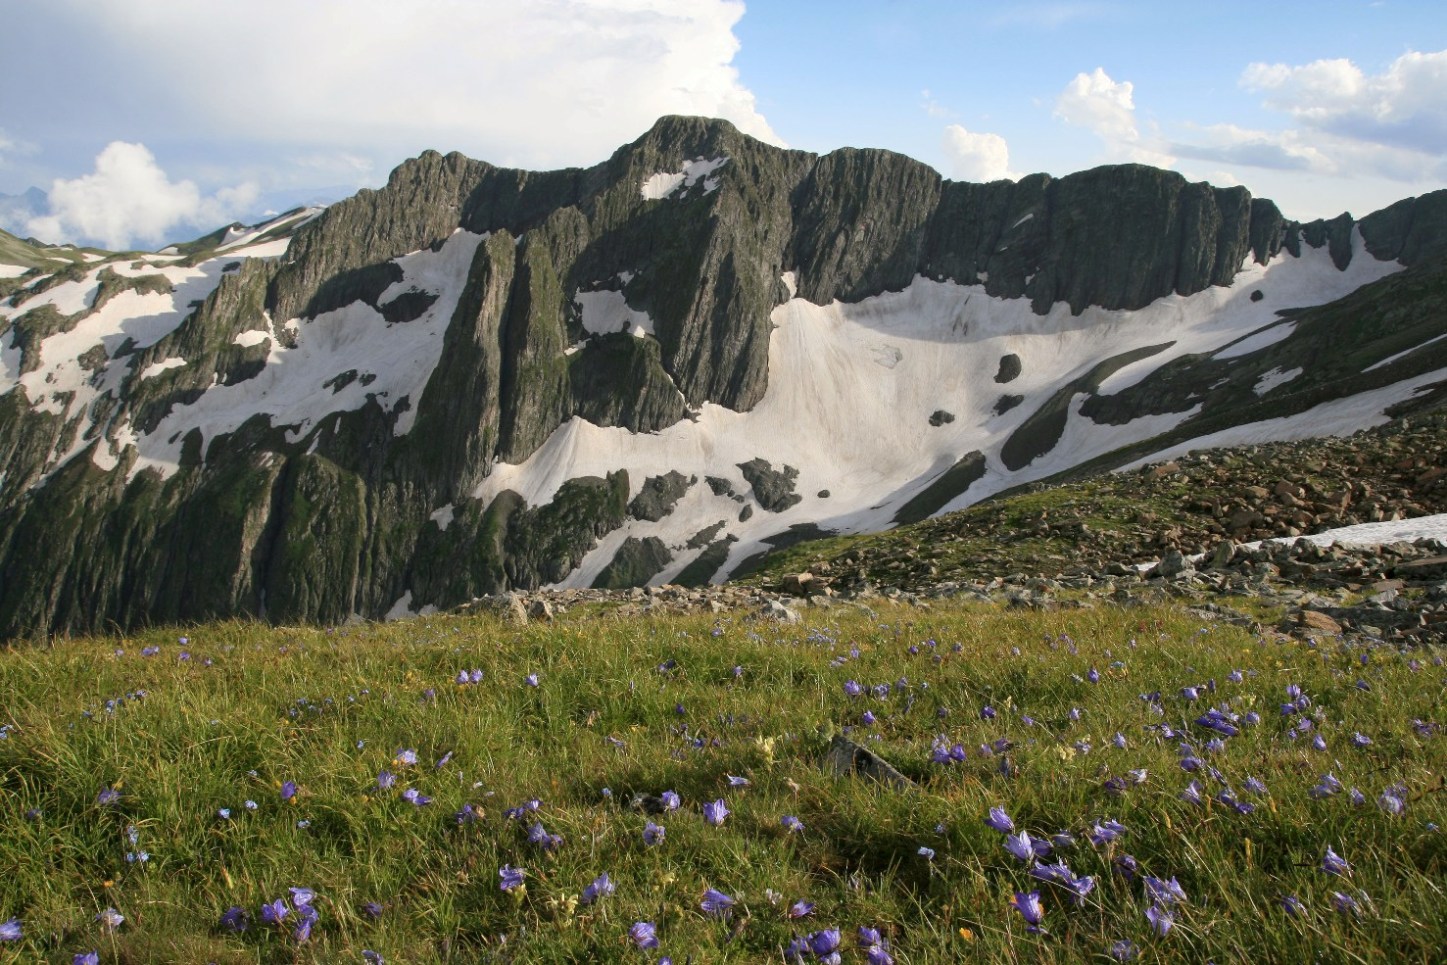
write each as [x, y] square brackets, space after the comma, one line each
[845, 758]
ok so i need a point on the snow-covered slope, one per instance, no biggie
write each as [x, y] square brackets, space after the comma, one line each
[852, 389]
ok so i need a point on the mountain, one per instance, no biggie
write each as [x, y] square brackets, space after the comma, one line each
[656, 368]
[18, 209]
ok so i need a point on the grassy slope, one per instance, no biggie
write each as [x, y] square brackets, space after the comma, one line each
[15, 251]
[253, 707]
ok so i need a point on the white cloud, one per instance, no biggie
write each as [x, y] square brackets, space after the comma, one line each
[1099, 104]
[129, 198]
[1229, 144]
[539, 84]
[1107, 108]
[977, 157]
[933, 107]
[1403, 108]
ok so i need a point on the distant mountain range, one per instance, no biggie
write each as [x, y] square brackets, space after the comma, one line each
[17, 211]
[654, 370]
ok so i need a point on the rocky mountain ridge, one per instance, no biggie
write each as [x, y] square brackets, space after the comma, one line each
[406, 400]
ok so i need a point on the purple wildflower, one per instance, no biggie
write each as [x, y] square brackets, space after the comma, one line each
[1160, 918]
[1293, 906]
[288, 790]
[737, 781]
[10, 930]
[653, 834]
[926, 853]
[1123, 950]
[644, 934]
[601, 887]
[510, 878]
[715, 811]
[1106, 832]
[274, 912]
[800, 909]
[791, 824]
[1019, 846]
[1334, 864]
[108, 796]
[1192, 793]
[1164, 892]
[1000, 821]
[234, 919]
[86, 958]
[670, 800]
[825, 943]
[415, 797]
[1030, 908]
[715, 902]
[110, 919]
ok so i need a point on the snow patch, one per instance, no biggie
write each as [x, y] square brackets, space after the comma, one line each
[604, 312]
[1270, 380]
[443, 517]
[241, 237]
[402, 609]
[253, 337]
[1401, 355]
[12, 271]
[1022, 221]
[664, 185]
[353, 338]
[1375, 534]
[156, 368]
[1339, 417]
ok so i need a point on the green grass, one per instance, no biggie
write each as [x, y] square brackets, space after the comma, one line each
[253, 707]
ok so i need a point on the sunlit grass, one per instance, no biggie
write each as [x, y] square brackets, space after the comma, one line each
[634, 707]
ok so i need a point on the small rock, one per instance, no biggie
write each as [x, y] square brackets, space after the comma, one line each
[775, 610]
[1315, 621]
[845, 758]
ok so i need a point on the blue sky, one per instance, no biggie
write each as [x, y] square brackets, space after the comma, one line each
[152, 120]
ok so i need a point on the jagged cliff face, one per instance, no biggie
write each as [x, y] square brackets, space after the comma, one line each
[478, 378]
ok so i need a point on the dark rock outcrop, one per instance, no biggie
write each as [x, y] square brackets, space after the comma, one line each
[773, 488]
[659, 495]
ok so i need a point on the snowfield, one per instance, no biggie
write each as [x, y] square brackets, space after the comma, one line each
[852, 387]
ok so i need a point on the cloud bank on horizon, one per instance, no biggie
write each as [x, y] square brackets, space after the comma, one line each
[182, 117]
